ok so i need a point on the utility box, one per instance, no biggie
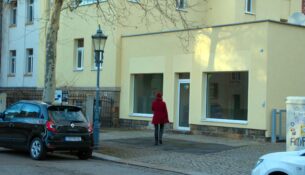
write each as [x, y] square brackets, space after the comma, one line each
[2, 101]
[295, 123]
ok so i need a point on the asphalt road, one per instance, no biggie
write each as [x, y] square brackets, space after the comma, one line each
[19, 163]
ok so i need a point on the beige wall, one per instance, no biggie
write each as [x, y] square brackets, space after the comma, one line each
[235, 48]
[42, 35]
[76, 26]
[286, 62]
[82, 23]
[270, 52]
[233, 11]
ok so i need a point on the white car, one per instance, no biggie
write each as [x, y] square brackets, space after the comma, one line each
[281, 163]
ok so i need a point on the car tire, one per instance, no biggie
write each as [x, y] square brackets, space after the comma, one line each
[37, 149]
[84, 154]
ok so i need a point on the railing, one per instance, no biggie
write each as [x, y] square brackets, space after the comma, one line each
[278, 125]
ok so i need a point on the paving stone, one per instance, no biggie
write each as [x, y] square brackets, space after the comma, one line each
[192, 153]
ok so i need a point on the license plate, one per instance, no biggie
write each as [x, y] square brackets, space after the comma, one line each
[73, 139]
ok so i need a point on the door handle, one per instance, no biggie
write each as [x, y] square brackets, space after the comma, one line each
[11, 125]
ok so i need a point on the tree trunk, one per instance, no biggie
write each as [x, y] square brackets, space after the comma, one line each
[51, 42]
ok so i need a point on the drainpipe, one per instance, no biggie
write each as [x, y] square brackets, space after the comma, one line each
[1, 6]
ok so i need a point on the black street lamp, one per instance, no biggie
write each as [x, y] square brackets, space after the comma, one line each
[99, 40]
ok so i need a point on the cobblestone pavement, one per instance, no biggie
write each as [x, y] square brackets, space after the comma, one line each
[191, 153]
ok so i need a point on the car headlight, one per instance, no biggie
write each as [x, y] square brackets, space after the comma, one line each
[258, 162]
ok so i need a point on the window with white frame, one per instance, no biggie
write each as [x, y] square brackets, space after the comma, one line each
[79, 58]
[181, 4]
[227, 99]
[12, 62]
[30, 11]
[13, 13]
[85, 2]
[249, 6]
[29, 61]
[145, 88]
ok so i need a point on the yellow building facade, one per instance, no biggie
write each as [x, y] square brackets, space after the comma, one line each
[236, 61]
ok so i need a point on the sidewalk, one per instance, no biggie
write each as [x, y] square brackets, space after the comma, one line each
[185, 154]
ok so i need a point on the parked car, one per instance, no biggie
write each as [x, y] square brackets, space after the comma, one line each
[281, 163]
[40, 128]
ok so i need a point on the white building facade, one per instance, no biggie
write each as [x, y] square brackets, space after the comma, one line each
[20, 43]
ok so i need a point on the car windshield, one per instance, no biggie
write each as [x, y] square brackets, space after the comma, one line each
[66, 113]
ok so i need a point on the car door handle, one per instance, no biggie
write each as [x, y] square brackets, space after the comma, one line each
[11, 125]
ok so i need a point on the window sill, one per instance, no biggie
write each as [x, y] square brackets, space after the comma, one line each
[12, 25]
[241, 122]
[29, 23]
[10, 75]
[90, 3]
[140, 115]
[134, 1]
[78, 70]
[28, 74]
[181, 9]
[249, 13]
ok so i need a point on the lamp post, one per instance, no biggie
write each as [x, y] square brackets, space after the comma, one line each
[99, 40]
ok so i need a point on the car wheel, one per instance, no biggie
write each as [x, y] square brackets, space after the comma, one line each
[84, 154]
[37, 150]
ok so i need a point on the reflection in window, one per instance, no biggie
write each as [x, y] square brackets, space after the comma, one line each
[250, 6]
[30, 11]
[145, 88]
[29, 111]
[12, 111]
[13, 13]
[181, 4]
[226, 97]
[79, 59]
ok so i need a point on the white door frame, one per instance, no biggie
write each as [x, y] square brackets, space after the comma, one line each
[180, 81]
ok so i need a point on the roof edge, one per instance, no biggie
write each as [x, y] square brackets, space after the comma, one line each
[215, 26]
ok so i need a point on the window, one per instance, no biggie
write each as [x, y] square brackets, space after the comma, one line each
[85, 2]
[181, 4]
[13, 111]
[227, 99]
[13, 13]
[12, 62]
[145, 88]
[29, 61]
[29, 111]
[79, 59]
[30, 11]
[249, 6]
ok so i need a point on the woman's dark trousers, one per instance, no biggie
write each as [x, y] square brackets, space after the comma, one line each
[158, 133]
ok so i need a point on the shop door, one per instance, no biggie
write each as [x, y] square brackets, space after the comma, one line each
[183, 104]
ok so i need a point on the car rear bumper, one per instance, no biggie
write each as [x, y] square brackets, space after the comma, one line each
[58, 142]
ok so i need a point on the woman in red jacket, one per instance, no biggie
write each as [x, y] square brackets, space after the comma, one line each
[160, 117]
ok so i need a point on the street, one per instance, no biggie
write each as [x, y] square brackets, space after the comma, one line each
[19, 163]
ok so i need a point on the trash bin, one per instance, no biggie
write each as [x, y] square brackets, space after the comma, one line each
[295, 123]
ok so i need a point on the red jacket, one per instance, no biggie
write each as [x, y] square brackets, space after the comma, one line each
[160, 111]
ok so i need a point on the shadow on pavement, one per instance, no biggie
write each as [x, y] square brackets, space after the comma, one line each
[172, 145]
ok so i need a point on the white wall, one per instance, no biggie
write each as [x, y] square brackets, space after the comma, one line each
[19, 38]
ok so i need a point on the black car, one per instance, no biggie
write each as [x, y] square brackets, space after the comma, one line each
[40, 128]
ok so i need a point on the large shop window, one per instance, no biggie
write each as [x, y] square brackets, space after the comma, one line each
[145, 87]
[227, 95]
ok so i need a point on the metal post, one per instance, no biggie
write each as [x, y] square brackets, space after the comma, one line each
[273, 131]
[280, 123]
[96, 129]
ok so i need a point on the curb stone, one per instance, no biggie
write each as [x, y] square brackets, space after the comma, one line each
[100, 156]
